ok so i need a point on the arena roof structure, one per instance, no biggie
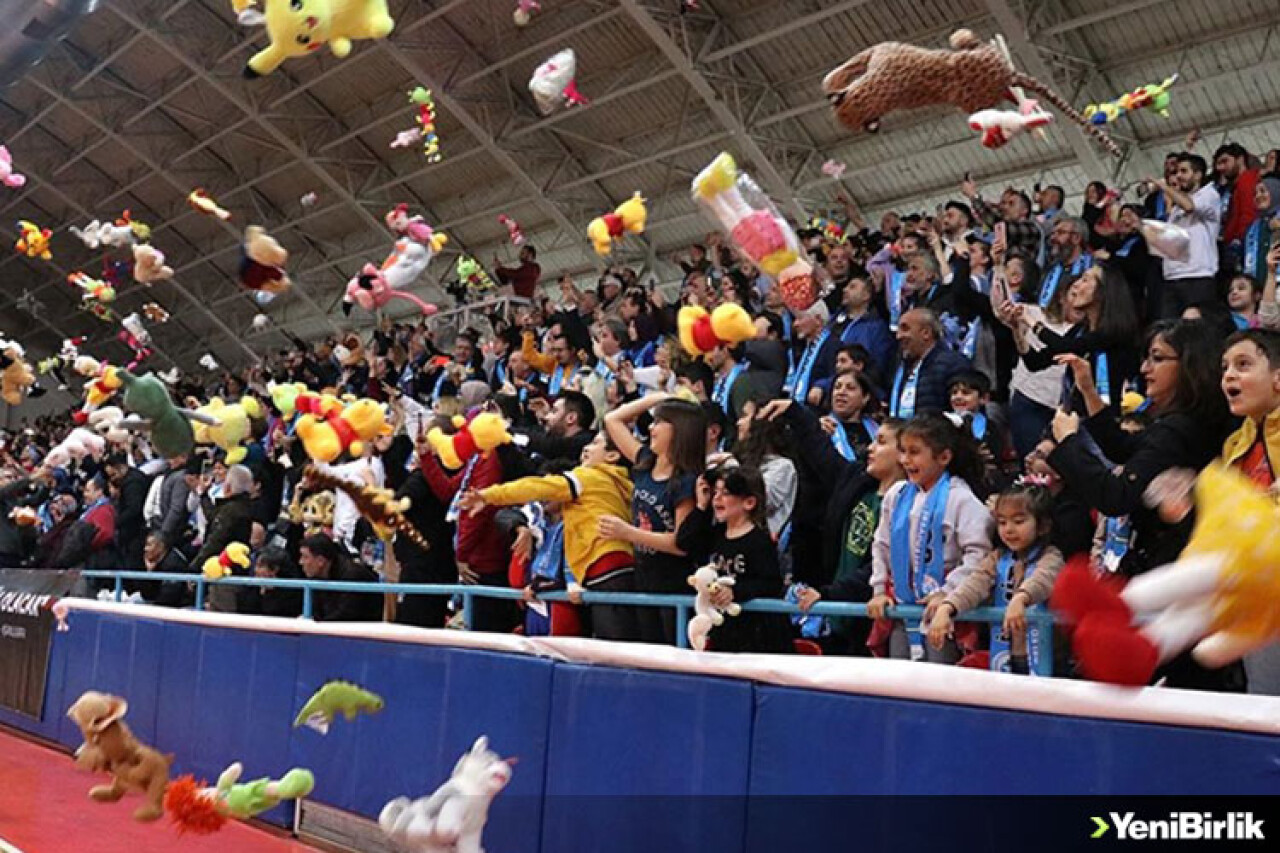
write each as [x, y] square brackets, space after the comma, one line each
[144, 101]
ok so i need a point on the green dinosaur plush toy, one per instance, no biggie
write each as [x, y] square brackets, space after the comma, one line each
[336, 697]
[201, 810]
[148, 398]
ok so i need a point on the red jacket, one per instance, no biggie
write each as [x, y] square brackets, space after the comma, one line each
[524, 278]
[1241, 212]
[103, 518]
[480, 545]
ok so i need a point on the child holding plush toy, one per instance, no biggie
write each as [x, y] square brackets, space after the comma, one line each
[728, 528]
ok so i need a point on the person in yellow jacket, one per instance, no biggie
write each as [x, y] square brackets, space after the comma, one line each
[1251, 383]
[600, 486]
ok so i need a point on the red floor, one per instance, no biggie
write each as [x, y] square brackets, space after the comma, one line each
[45, 808]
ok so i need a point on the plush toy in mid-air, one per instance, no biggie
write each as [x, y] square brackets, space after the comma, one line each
[92, 289]
[422, 98]
[334, 698]
[155, 313]
[109, 746]
[524, 12]
[325, 439]
[284, 396]
[64, 360]
[628, 218]
[202, 202]
[224, 564]
[702, 331]
[1221, 599]
[299, 27]
[973, 75]
[135, 336]
[482, 434]
[553, 84]
[125, 231]
[415, 228]
[262, 264]
[16, 378]
[452, 818]
[231, 426]
[78, 444]
[33, 241]
[706, 581]
[999, 126]
[380, 507]
[513, 229]
[8, 175]
[149, 265]
[1153, 96]
[373, 287]
[147, 397]
[834, 169]
[202, 810]
[472, 275]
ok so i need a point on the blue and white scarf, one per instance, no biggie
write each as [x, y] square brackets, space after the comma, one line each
[722, 392]
[919, 567]
[840, 438]
[903, 403]
[1005, 588]
[1051, 279]
[800, 376]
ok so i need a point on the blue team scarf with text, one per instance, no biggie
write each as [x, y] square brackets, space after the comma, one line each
[919, 567]
[905, 385]
[1005, 588]
[722, 394]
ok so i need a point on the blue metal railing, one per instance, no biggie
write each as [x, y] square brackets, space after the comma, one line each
[682, 604]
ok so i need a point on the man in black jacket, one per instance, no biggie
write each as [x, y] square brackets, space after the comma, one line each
[323, 559]
[230, 520]
[925, 367]
[131, 485]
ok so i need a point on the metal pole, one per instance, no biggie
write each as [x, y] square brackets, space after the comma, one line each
[200, 593]
[682, 626]
[1044, 661]
[119, 588]
[306, 603]
[468, 610]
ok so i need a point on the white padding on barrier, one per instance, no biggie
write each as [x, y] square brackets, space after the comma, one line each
[888, 678]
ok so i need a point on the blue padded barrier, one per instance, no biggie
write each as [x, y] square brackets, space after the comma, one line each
[440, 700]
[646, 761]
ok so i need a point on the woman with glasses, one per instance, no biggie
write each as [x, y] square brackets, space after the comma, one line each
[1181, 369]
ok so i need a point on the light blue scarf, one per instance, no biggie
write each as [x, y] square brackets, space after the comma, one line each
[919, 568]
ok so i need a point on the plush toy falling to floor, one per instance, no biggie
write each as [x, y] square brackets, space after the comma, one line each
[299, 27]
[452, 818]
[202, 810]
[110, 747]
[334, 698]
[1221, 599]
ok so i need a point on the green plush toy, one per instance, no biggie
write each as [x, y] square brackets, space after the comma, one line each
[147, 397]
[336, 697]
[201, 810]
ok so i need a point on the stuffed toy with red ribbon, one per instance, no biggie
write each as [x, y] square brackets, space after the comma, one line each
[338, 432]
[262, 264]
[701, 332]
[223, 565]
[482, 434]
[606, 230]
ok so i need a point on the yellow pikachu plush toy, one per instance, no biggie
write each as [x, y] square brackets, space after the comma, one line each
[299, 27]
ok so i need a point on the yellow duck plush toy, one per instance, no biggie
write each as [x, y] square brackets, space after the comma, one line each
[233, 427]
[299, 27]
[326, 438]
[219, 567]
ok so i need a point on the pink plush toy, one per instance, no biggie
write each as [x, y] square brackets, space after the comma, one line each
[374, 287]
[8, 176]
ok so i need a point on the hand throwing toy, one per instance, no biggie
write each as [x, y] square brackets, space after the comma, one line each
[452, 818]
[201, 810]
[334, 698]
[8, 176]
[629, 217]
[33, 241]
[1221, 599]
[109, 746]
[972, 75]
[1153, 96]
[299, 27]
[553, 84]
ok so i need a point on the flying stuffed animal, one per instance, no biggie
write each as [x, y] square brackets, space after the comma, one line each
[63, 361]
[629, 217]
[78, 444]
[125, 231]
[202, 202]
[380, 507]
[33, 241]
[201, 810]
[513, 229]
[482, 434]
[346, 431]
[262, 264]
[374, 287]
[472, 275]
[1153, 96]
[334, 698]
[8, 176]
[553, 84]
[972, 75]
[454, 817]
[999, 126]
[415, 228]
[524, 12]
[147, 397]
[92, 289]
[135, 336]
[232, 427]
[223, 565]
[155, 313]
[1221, 599]
[109, 746]
[16, 378]
[700, 331]
[148, 264]
[422, 98]
[299, 27]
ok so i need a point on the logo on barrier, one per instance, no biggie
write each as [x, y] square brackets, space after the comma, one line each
[1181, 826]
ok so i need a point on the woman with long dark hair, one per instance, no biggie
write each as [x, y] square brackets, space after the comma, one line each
[1182, 370]
[1104, 336]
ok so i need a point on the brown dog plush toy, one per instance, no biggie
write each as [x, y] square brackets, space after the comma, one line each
[110, 746]
[973, 75]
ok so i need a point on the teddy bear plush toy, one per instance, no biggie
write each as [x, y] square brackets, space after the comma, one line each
[706, 582]
[16, 377]
[110, 746]
[262, 264]
[299, 27]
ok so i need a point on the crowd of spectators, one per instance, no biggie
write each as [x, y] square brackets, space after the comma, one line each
[982, 393]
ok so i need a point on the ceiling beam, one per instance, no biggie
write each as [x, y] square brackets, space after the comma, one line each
[1110, 13]
[770, 177]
